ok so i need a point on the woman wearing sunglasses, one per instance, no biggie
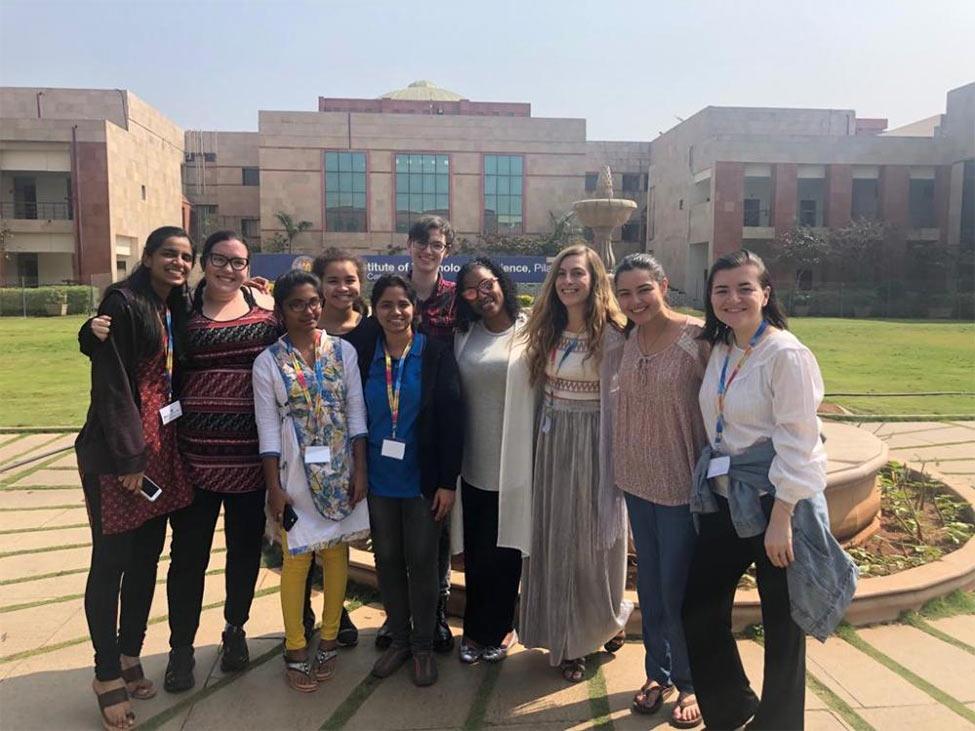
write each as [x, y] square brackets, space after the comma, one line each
[492, 520]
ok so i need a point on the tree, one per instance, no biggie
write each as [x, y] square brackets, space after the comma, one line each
[858, 247]
[291, 230]
[801, 248]
[564, 231]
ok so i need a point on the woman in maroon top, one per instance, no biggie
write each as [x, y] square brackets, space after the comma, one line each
[229, 326]
[130, 436]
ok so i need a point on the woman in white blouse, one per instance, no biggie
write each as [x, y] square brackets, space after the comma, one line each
[311, 420]
[758, 398]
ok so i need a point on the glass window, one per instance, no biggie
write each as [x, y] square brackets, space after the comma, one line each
[631, 182]
[422, 187]
[591, 180]
[503, 187]
[345, 191]
[250, 176]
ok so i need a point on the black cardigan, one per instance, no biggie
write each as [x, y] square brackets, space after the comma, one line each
[440, 423]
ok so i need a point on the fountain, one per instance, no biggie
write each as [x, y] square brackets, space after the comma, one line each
[604, 213]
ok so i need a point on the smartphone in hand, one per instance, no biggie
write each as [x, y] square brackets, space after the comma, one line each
[289, 517]
[150, 490]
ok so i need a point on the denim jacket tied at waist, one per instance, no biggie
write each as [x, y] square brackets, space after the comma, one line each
[823, 578]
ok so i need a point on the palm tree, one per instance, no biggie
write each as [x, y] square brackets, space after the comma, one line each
[291, 227]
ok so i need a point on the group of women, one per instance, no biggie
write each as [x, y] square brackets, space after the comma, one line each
[535, 436]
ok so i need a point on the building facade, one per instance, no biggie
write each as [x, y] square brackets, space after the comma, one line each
[85, 175]
[732, 177]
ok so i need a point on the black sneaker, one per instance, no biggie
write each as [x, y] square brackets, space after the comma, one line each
[235, 656]
[179, 670]
[348, 633]
[383, 637]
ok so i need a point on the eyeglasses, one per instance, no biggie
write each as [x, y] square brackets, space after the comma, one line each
[299, 306]
[219, 261]
[485, 286]
[435, 246]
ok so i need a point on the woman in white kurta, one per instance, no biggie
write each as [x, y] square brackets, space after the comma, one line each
[311, 422]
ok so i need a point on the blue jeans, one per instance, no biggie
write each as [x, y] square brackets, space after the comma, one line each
[664, 537]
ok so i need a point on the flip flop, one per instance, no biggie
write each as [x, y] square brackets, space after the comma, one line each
[133, 676]
[110, 698]
[642, 702]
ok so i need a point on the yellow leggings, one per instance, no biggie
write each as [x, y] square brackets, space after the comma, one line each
[294, 573]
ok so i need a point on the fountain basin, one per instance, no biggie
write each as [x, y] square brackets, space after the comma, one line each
[604, 212]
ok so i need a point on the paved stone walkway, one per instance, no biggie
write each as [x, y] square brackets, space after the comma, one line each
[887, 677]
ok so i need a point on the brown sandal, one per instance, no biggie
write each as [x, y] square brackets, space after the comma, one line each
[325, 661]
[299, 675]
[651, 696]
[133, 676]
[114, 697]
[682, 703]
[574, 671]
[615, 643]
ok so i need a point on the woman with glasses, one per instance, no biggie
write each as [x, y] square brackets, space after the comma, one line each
[312, 422]
[492, 519]
[228, 327]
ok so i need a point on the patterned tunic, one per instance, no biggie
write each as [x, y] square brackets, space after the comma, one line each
[217, 432]
[122, 510]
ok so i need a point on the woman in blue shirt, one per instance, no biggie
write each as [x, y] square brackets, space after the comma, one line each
[415, 422]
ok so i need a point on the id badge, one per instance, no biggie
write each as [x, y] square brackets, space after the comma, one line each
[546, 423]
[394, 449]
[719, 466]
[317, 455]
[171, 412]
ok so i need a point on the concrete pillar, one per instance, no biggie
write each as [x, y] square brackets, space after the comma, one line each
[839, 195]
[96, 226]
[942, 199]
[894, 191]
[729, 191]
[784, 203]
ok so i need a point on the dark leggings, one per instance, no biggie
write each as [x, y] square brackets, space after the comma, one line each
[123, 568]
[193, 529]
[492, 573]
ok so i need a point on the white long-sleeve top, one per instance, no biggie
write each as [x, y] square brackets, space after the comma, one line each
[774, 397]
[276, 435]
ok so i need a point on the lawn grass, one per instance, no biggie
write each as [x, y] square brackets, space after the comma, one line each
[44, 379]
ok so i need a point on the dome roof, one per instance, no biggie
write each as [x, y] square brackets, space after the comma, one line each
[425, 91]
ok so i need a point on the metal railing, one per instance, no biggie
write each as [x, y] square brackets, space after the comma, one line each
[36, 210]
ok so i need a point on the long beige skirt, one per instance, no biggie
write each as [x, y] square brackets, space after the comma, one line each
[571, 593]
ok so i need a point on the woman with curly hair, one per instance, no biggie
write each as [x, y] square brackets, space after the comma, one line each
[492, 522]
[573, 580]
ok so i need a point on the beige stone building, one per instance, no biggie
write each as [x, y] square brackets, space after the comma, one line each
[360, 170]
[85, 175]
[729, 177]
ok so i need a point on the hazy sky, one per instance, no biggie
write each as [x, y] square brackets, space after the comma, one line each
[629, 68]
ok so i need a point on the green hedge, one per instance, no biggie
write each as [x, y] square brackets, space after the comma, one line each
[81, 299]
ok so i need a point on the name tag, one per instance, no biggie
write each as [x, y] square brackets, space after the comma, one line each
[394, 449]
[171, 412]
[719, 466]
[317, 455]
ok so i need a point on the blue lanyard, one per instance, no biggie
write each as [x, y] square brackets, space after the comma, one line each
[724, 382]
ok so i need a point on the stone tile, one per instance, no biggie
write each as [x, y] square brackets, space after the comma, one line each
[40, 498]
[961, 627]
[624, 675]
[68, 460]
[44, 563]
[890, 428]
[23, 448]
[823, 721]
[67, 478]
[26, 692]
[944, 666]
[280, 707]
[529, 691]
[951, 436]
[41, 538]
[857, 678]
[25, 519]
[912, 718]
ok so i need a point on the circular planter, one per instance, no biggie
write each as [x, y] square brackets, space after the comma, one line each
[855, 457]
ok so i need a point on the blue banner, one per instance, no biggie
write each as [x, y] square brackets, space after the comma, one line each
[525, 269]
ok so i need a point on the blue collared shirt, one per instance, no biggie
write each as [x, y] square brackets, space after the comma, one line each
[390, 477]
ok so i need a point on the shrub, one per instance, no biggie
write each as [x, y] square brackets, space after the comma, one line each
[81, 299]
[526, 300]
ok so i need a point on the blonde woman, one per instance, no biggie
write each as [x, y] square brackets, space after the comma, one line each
[573, 580]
